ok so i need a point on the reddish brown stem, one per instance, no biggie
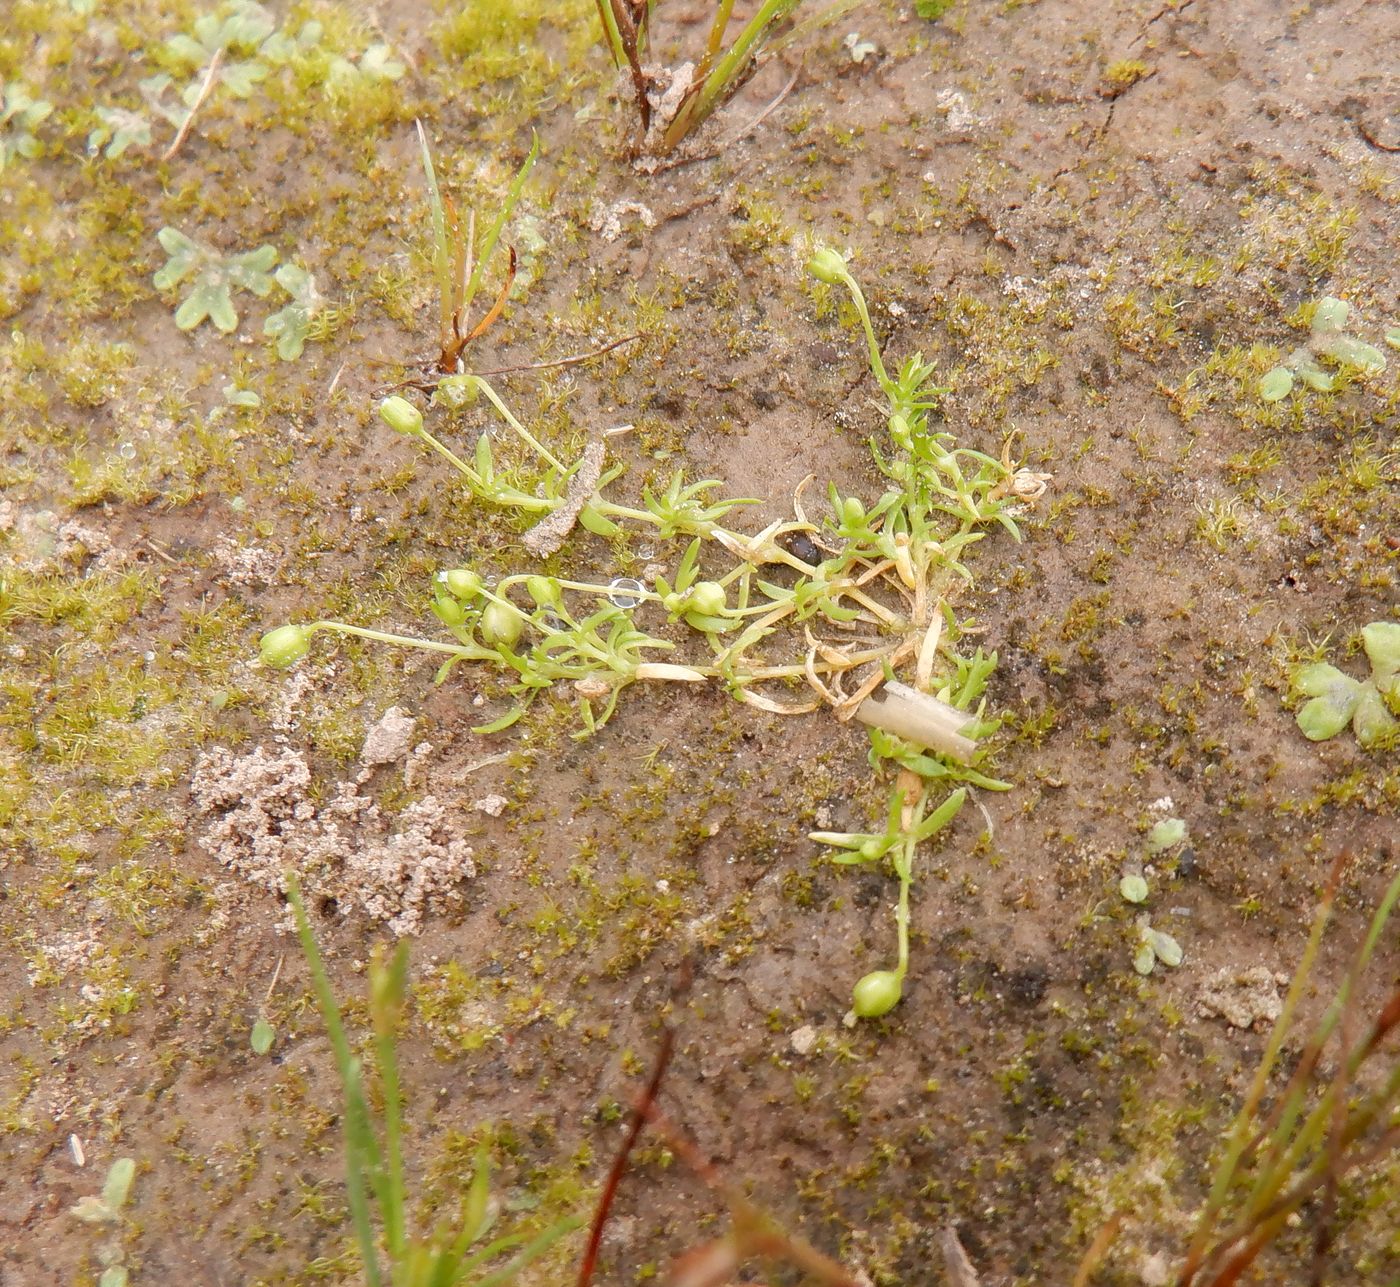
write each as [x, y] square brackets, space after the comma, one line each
[634, 1129]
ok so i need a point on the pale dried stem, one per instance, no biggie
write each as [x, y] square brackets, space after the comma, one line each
[204, 91]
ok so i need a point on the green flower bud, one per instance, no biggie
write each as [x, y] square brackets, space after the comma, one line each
[877, 993]
[899, 429]
[852, 512]
[871, 849]
[673, 602]
[544, 590]
[707, 598]
[449, 610]
[827, 266]
[462, 582]
[401, 416]
[285, 646]
[501, 623]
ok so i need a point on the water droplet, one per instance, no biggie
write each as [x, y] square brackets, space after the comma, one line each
[127, 451]
[625, 592]
[646, 551]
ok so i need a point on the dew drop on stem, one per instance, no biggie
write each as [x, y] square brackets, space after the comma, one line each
[625, 592]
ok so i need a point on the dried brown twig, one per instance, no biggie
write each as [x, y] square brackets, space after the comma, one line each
[753, 1233]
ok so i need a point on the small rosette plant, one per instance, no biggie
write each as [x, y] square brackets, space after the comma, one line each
[1337, 699]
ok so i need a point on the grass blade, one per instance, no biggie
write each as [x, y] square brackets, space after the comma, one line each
[493, 236]
[387, 987]
[442, 249]
[361, 1153]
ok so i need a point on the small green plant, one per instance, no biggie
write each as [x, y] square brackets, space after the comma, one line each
[892, 567]
[347, 78]
[226, 48]
[1328, 339]
[461, 257]
[263, 1033]
[374, 1165]
[1152, 945]
[292, 323]
[1370, 706]
[1291, 1148]
[20, 115]
[672, 104]
[1133, 888]
[215, 275]
[1329, 1119]
[117, 129]
[106, 1211]
[1164, 836]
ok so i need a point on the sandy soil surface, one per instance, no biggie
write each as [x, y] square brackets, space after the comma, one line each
[1102, 222]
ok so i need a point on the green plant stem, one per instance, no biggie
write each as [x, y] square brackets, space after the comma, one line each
[602, 591]
[609, 21]
[877, 364]
[517, 426]
[716, 40]
[904, 869]
[1282, 1158]
[452, 459]
[404, 641]
[442, 252]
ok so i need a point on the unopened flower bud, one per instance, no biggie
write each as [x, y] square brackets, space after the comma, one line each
[449, 610]
[827, 266]
[401, 416]
[285, 646]
[462, 582]
[544, 590]
[501, 624]
[877, 993]
[707, 598]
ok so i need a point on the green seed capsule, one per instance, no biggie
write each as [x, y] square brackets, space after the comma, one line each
[449, 610]
[877, 993]
[501, 624]
[285, 646]
[544, 590]
[871, 849]
[852, 511]
[708, 599]
[401, 416]
[462, 582]
[827, 266]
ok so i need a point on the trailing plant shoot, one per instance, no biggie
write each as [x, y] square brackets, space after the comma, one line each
[876, 595]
